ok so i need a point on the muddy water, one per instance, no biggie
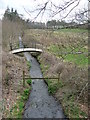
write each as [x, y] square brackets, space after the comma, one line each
[40, 104]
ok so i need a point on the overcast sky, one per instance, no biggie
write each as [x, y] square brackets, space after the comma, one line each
[31, 4]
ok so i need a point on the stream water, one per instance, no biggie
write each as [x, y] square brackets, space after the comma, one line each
[40, 104]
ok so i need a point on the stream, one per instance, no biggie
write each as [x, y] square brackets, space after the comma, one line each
[40, 104]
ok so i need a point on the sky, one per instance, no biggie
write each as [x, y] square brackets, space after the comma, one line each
[30, 5]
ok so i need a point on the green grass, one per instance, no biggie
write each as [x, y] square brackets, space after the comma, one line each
[17, 109]
[52, 89]
[29, 81]
[53, 48]
[26, 92]
[79, 59]
[54, 86]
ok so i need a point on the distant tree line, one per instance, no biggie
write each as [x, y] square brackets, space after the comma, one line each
[35, 25]
[55, 24]
[63, 24]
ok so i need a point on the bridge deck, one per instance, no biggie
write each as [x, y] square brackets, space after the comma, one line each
[26, 50]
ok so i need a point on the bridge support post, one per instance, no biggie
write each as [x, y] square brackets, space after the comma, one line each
[10, 44]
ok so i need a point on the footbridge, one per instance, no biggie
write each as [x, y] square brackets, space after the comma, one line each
[31, 50]
[21, 49]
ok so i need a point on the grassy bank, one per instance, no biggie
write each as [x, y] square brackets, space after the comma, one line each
[14, 94]
[17, 110]
[66, 95]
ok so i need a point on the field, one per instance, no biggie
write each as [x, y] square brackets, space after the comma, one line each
[65, 52]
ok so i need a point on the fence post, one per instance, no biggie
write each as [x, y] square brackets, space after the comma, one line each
[58, 77]
[23, 78]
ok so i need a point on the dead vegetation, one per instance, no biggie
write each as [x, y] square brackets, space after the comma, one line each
[11, 80]
[12, 69]
[10, 32]
[72, 78]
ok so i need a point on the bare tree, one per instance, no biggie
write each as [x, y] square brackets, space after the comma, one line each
[63, 9]
[82, 16]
